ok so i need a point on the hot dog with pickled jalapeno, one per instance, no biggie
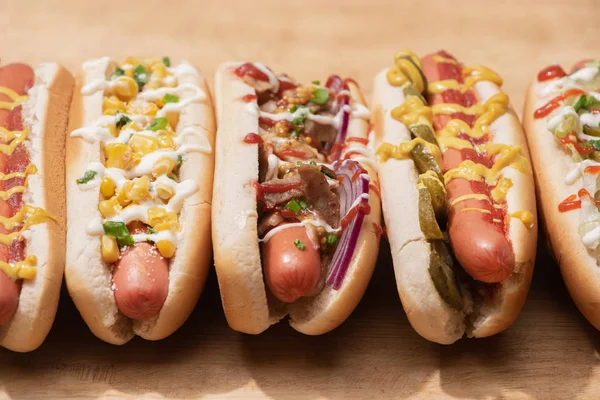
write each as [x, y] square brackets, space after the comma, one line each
[295, 201]
[562, 123]
[34, 106]
[140, 156]
[457, 195]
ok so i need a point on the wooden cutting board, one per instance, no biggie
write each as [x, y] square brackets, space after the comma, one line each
[551, 352]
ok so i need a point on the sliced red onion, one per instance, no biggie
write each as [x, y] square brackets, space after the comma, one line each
[335, 84]
[353, 193]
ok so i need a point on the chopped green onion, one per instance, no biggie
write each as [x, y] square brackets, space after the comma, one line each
[328, 173]
[151, 231]
[158, 124]
[293, 206]
[298, 162]
[171, 177]
[166, 61]
[299, 120]
[295, 134]
[303, 204]
[313, 162]
[88, 176]
[179, 162]
[140, 75]
[294, 108]
[332, 239]
[299, 244]
[316, 83]
[320, 96]
[129, 138]
[170, 98]
[118, 72]
[119, 231]
[584, 102]
[593, 143]
[122, 120]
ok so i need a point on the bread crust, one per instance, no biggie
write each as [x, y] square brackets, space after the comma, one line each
[46, 114]
[89, 279]
[429, 315]
[578, 265]
[235, 236]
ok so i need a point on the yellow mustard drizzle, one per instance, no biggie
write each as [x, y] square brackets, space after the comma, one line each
[402, 150]
[525, 216]
[15, 98]
[28, 215]
[412, 112]
[501, 190]
[480, 73]
[406, 69]
[481, 210]
[473, 196]
[440, 59]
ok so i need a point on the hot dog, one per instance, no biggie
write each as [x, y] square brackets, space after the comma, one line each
[140, 156]
[457, 195]
[562, 123]
[33, 115]
[296, 210]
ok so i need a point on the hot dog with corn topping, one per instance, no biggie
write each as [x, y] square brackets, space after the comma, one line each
[457, 194]
[139, 178]
[562, 122]
[296, 210]
[34, 106]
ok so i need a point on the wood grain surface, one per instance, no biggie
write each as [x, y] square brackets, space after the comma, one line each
[551, 352]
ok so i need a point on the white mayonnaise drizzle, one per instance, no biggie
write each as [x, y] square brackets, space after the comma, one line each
[273, 81]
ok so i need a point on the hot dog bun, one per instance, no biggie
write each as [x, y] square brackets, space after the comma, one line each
[552, 164]
[88, 278]
[45, 113]
[428, 313]
[248, 305]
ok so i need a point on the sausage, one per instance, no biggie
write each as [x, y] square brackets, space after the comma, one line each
[141, 279]
[480, 245]
[18, 77]
[290, 272]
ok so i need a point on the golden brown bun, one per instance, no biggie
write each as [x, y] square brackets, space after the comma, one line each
[235, 236]
[46, 114]
[578, 265]
[89, 279]
[429, 315]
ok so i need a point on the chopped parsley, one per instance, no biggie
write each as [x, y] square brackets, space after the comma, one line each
[122, 120]
[119, 231]
[140, 75]
[88, 176]
[166, 61]
[158, 124]
[170, 98]
[299, 244]
[320, 96]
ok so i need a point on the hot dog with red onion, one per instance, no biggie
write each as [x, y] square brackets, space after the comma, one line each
[562, 122]
[34, 106]
[296, 208]
[139, 177]
[457, 195]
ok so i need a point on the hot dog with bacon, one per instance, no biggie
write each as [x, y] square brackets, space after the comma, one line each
[139, 178]
[562, 122]
[296, 205]
[457, 195]
[34, 105]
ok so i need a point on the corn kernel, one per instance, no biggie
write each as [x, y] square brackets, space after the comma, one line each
[152, 85]
[135, 160]
[159, 70]
[164, 166]
[156, 215]
[110, 207]
[123, 197]
[107, 187]
[125, 88]
[132, 125]
[133, 61]
[110, 249]
[165, 192]
[165, 248]
[142, 107]
[129, 72]
[167, 226]
[118, 155]
[112, 104]
[142, 144]
[166, 139]
[139, 189]
[113, 130]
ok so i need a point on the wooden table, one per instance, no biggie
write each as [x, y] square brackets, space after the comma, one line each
[551, 352]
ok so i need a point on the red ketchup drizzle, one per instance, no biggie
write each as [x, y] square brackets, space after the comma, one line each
[249, 97]
[250, 70]
[363, 207]
[252, 138]
[571, 138]
[274, 187]
[377, 229]
[375, 189]
[551, 72]
[569, 204]
[360, 140]
[292, 153]
[553, 104]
